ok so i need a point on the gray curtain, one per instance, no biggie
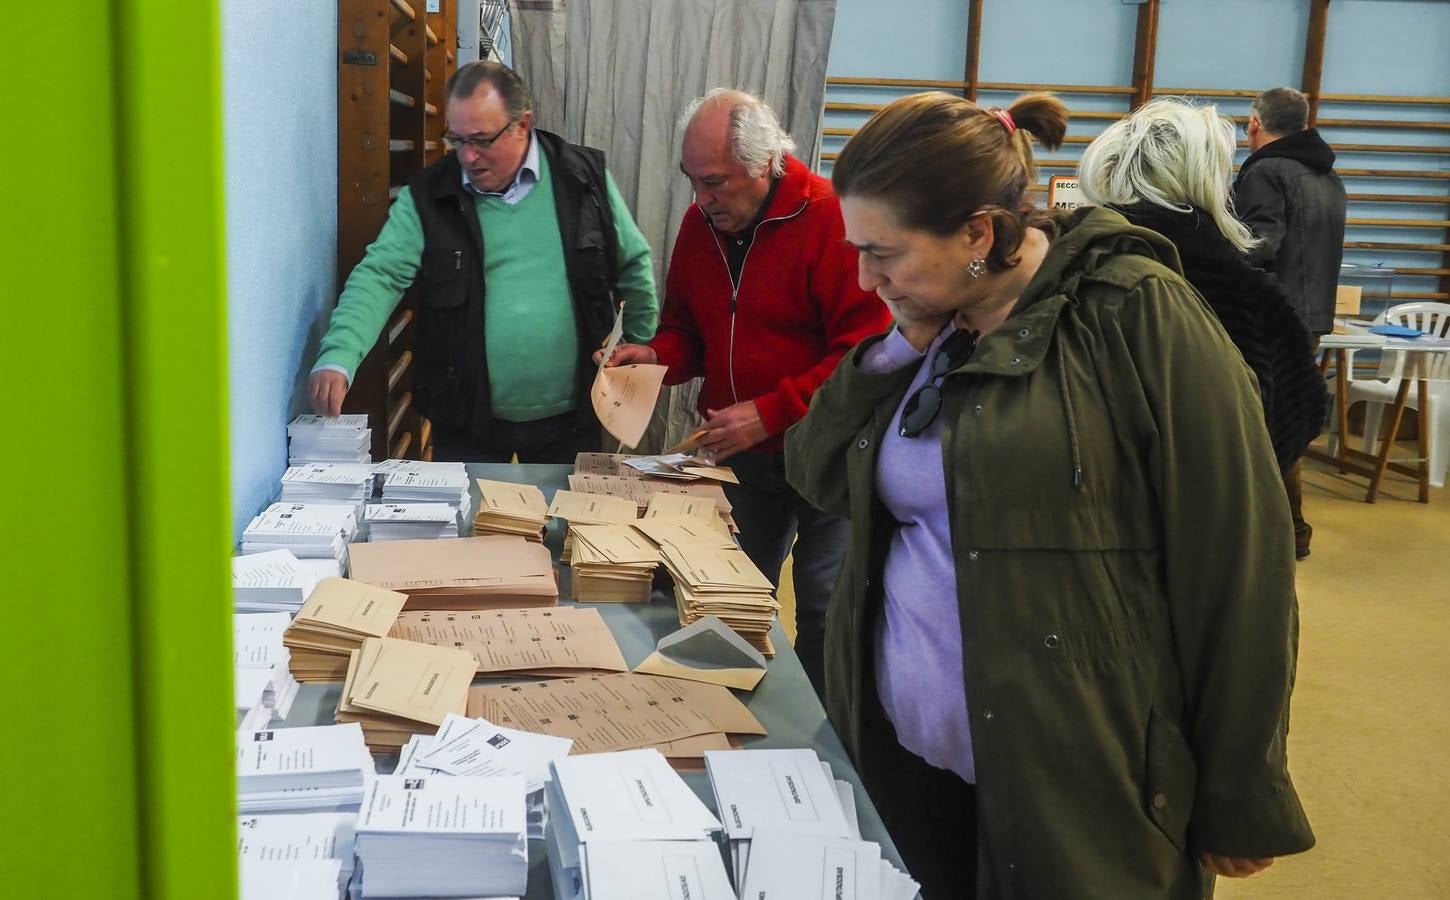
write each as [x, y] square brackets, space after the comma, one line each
[615, 74]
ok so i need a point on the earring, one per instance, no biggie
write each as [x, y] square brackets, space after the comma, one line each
[977, 268]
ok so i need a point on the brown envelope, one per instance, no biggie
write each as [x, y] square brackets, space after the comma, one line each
[409, 680]
[341, 605]
[493, 570]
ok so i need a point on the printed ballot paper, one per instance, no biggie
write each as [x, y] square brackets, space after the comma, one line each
[490, 572]
[322, 768]
[443, 837]
[302, 879]
[395, 689]
[616, 712]
[788, 865]
[477, 747]
[624, 396]
[654, 870]
[270, 581]
[294, 837]
[553, 641]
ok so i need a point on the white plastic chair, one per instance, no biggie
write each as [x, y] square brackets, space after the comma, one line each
[1433, 319]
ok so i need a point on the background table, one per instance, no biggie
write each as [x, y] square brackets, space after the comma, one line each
[784, 701]
[1411, 364]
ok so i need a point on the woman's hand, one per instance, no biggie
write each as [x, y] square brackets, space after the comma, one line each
[1234, 866]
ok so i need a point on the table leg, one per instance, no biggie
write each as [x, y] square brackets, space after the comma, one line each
[1422, 392]
[1341, 405]
[1382, 459]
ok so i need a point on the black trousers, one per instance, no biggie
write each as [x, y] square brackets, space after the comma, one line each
[557, 439]
[930, 813]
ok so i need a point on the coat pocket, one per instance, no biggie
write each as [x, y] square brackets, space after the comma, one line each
[444, 282]
[1171, 780]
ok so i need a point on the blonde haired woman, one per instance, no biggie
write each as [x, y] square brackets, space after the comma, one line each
[1167, 167]
[1061, 647]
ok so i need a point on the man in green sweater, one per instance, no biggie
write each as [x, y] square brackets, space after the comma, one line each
[504, 339]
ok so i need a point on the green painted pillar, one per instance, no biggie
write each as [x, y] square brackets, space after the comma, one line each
[118, 749]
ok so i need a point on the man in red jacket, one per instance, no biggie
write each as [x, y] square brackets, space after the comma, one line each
[761, 299]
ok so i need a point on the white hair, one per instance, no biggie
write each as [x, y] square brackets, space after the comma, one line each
[757, 141]
[1170, 153]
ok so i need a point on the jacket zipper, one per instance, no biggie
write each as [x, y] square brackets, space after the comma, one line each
[735, 286]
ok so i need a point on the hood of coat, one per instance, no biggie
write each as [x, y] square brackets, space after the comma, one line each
[1208, 259]
[1083, 242]
[1304, 146]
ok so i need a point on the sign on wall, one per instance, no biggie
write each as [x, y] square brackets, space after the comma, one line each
[1063, 193]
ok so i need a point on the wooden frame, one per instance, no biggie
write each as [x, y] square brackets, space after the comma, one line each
[393, 62]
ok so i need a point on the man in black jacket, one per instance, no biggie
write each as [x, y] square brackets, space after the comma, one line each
[1288, 193]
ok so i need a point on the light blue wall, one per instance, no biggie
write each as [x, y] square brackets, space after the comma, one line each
[1396, 47]
[280, 125]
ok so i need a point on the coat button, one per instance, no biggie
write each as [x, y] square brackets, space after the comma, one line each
[1051, 641]
[1015, 360]
[977, 409]
[862, 444]
[1160, 801]
[1024, 332]
[972, 555]
[989, 716]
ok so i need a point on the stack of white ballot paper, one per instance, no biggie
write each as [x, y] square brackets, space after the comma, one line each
[790, 865]
[303, 879]
[292, 838]
[443, 837]
[322, 768]
[342, 484]
[764, 788]
[309, 530]
[631, 795]
[411, 521]
[271, 581]
[415, 481]
[655, 870]
[261, 662]
[313, 439]
[477, 747]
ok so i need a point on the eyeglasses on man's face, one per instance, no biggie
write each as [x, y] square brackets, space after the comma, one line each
[476, 144]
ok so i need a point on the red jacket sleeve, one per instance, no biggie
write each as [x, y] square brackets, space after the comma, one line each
[677, 342]
[848, 314]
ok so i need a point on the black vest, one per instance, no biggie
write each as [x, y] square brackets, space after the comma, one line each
[451, 374]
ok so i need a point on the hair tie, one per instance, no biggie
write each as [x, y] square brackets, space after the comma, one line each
[1006, 119]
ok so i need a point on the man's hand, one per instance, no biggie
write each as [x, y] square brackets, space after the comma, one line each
[325, 389]
[627, 354]
[1234, 867]
[728, 431]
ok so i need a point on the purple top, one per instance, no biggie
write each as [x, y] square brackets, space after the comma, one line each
[919, 640]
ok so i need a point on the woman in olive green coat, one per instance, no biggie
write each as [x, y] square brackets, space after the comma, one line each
[1062, 646]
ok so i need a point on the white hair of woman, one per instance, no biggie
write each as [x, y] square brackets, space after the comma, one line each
[757, 140]
[1171, 153]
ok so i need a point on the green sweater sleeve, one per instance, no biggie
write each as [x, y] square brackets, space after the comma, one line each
[636, 272]
[374, 288]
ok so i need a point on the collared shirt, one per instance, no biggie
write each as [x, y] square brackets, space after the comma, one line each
[737, 246]
[524, 180]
